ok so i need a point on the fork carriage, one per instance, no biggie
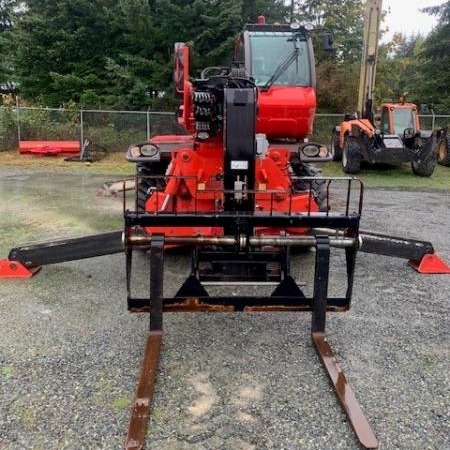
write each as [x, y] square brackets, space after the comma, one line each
[242, 247]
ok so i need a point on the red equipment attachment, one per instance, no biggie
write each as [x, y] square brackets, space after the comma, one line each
[15, 269]
[429, 264]
[49, 148]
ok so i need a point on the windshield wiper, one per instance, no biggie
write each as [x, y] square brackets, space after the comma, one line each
[282, 67]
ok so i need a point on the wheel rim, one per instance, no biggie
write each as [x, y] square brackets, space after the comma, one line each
[344, 155]
[441, 151]
[333, 143]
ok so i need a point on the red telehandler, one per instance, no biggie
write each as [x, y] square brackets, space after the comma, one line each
[239, 190]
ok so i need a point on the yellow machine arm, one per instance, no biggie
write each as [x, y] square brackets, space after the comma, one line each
[369, 57]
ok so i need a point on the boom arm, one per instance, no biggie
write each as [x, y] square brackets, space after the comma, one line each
[369, 58]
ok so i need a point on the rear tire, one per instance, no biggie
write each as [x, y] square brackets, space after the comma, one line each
[425, 166]
[443, 153]
[351, 156]
[335, 148]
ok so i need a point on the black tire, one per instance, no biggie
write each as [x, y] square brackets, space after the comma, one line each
[147, 185]
[335, 148]
[424, 166]
[318, 186]
[351, 155]
[443, 151]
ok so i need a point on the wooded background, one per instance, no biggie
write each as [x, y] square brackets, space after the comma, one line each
[118, 53]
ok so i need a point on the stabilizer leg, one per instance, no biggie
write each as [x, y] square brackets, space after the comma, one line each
[25, 260]
[420, 254]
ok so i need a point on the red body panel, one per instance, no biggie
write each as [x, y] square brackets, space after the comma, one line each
[286, 112]
[194, 185]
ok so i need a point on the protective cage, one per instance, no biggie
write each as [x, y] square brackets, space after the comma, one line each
[244, 247]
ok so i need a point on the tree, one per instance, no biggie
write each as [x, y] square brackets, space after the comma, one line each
[433, 78]
[397, 68]
[337, 74]
[7, 13]
[61, 48]
[344, 18]
[118, 52]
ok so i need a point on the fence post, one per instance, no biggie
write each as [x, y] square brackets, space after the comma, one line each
[148, 123]
[81, 130]
[18, 119]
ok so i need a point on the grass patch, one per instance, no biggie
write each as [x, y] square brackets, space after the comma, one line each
[7, 372]
[121, 403]
[393, 176]
[116, 164]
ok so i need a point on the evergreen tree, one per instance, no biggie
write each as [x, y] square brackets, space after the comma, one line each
[7, 15]
[433, 76]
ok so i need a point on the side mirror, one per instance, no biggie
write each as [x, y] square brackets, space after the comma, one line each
[377, 120]
[408, 133]
[327, 42]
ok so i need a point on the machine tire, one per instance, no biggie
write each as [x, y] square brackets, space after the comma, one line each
[425, 167]
[351, 156]
[335, 148]
[318, 186]
[145, 184]
[443, 152]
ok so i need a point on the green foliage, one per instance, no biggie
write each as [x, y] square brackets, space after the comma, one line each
[61, 49]
[8, 128]
[118, 54]
[46, 124]
[397, 69]
[337, 74]
[6, 25]
[344, 18]
[416, 67]
[433, 78]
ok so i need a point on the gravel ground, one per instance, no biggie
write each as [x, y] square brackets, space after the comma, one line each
[70, 351]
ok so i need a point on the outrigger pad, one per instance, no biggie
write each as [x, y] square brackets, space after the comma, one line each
[430, 263]
[14, 269]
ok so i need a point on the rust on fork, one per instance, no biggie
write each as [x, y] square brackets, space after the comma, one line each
[344, 392]
[141, 407]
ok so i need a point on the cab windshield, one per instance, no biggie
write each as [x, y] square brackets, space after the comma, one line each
[401, 117]
[270, 50]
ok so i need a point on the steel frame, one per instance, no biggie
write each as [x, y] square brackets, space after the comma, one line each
[192, 296]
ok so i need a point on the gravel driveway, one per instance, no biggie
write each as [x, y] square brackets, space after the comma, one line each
[70, 352]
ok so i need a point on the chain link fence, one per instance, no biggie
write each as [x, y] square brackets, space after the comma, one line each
[116, 130]
[112, 130]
